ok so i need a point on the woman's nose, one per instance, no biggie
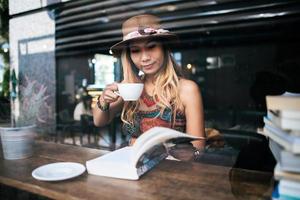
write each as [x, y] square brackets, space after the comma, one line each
[145, 56]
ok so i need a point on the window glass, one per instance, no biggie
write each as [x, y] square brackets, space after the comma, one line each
[104, 69]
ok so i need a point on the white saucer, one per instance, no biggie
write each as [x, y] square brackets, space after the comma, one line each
[58, 171]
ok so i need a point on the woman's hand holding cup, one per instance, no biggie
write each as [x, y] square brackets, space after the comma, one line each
[128, 92]
[108, 94]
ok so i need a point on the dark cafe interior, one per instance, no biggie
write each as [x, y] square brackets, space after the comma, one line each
[55, 57]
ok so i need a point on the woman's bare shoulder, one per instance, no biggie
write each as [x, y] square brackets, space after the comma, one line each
[186, 85]
[188, 91]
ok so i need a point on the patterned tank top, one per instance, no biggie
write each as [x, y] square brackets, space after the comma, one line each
[144, 120]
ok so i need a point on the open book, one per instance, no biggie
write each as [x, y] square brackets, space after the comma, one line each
[133, 161]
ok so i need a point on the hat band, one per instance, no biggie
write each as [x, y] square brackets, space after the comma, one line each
[142, 32]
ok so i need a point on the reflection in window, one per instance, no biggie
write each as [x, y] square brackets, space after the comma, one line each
[1, 71]
[104, 69]
[178, 58]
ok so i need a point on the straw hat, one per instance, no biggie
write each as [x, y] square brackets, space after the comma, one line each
[142, 27]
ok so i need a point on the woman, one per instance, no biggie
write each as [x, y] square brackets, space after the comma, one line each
[83, 108]
[168, 99]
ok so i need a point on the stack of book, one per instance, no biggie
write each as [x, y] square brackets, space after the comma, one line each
[282, 126]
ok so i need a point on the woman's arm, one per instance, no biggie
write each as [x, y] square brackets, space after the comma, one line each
[193, 106]
[102, 118]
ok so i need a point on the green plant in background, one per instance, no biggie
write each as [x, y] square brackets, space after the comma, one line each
[5, 83]
[30, 94]
[14, 83]
[4, 16]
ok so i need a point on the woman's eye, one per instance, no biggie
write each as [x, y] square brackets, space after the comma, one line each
[134, 50]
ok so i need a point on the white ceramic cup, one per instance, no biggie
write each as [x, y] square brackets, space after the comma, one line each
[130, 91]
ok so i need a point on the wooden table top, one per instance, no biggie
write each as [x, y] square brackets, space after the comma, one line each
[168, 180]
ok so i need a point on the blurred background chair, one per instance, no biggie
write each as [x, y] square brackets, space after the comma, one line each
[67, 126]
[88, 128]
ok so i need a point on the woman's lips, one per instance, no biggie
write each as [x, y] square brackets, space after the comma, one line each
[147, 66]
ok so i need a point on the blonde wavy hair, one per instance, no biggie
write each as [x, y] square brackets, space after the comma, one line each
[166, 89]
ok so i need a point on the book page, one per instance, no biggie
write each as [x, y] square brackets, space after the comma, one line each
[158, 135]
[151, 158]
[145, 137]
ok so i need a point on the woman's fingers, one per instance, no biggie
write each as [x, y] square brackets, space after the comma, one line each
[108, 94]
[112, 86]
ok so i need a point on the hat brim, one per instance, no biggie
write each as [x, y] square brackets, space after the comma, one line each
[118, 47]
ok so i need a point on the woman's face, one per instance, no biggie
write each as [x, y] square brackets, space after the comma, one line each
[147, 55]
